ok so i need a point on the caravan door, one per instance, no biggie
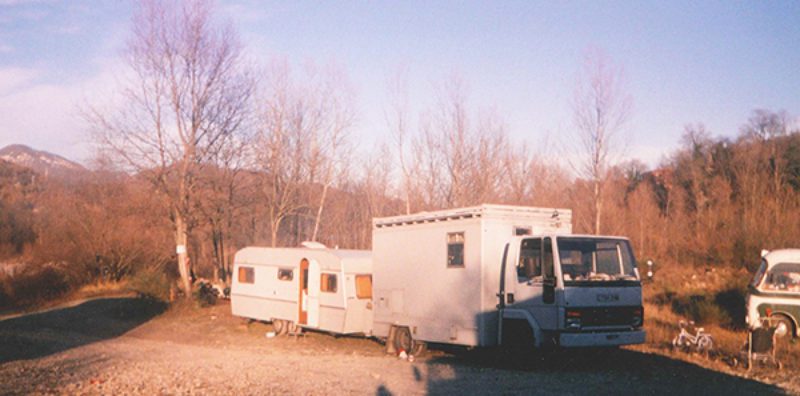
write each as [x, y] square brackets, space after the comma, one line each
[313, 293]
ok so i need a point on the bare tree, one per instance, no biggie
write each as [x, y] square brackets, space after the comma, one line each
[397, 119]
[187, 92]
[601, 108]
[303, 142]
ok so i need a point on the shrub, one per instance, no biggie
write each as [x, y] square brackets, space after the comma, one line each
[5, 297]
[205, 294]
[150, 284]
[701, 310]
[36, 285]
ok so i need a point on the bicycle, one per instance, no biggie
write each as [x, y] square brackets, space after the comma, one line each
[700, 341]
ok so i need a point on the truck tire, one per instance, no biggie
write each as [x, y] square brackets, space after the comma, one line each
[403, 340]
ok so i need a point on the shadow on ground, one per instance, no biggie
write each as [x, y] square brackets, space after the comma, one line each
[592, 371]
[37, 335]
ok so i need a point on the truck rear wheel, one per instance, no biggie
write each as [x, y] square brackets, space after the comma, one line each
[403, 340]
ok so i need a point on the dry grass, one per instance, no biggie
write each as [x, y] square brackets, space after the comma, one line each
[102, 288]
[715, 299]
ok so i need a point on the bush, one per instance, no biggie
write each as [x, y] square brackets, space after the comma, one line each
[205, 294]
[150, 284]
[5, 296]
[701, 310]
[34, 286]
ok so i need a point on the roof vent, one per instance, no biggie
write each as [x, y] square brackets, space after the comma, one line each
[313, 245]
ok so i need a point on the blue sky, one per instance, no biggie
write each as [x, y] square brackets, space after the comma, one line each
[684, 62]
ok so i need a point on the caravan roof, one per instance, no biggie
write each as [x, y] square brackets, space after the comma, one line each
[328, 259]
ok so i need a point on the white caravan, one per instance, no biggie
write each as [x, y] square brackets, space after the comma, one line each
[775, 292]
[317, 288]
[492, 274]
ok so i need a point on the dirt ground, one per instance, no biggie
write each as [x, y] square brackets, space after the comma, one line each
[129, 346]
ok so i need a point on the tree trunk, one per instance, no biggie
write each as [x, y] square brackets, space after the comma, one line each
[319, 213]
[598, 207]
[183, 255]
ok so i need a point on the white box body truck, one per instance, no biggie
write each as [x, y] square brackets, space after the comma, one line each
[496, 274]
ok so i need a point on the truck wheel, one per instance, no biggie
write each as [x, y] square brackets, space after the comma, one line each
[403, 340]
[783, 326]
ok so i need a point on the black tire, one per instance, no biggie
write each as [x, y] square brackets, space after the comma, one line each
[784, 326]
[403, 340]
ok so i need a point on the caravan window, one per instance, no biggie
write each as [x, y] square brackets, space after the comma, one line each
[247, 275]
[455, 249]
[364, 286]
[328, 283]
[285, 274]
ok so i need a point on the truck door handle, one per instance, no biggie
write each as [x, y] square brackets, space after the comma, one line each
[510, 298]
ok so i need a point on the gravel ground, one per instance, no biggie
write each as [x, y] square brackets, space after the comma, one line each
[127, 346]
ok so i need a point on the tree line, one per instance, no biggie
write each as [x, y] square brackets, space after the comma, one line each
[200, 153]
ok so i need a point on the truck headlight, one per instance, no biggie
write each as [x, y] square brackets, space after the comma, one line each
[573, 320]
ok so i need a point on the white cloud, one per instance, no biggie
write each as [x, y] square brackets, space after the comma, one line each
[12, 78]
[47, 116]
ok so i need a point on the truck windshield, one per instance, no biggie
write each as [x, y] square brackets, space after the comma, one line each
[596, 259]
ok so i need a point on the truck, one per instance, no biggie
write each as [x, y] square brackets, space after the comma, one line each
[774, 292]
[493, 275]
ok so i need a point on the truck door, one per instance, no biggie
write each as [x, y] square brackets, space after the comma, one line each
[535, 282]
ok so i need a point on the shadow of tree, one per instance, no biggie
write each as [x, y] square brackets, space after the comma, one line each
[37, 335]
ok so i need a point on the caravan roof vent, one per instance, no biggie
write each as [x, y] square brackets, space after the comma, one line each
[313, 245]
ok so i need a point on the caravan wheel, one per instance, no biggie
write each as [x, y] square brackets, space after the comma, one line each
[292, 327]
[280, 326]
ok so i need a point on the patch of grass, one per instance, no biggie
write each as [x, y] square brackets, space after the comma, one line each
[150, 284]
[102, 288]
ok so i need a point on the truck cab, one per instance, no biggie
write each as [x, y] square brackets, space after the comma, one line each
[774, 292]
[570, 291]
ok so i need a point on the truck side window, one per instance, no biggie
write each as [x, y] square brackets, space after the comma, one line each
[547, 259]
[455, 249]
[530, 259]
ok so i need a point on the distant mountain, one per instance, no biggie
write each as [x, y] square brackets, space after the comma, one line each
[43, 162]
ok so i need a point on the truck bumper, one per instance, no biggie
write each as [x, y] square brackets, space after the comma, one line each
[601, 339]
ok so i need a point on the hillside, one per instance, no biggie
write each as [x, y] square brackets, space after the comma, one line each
[45, 163]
